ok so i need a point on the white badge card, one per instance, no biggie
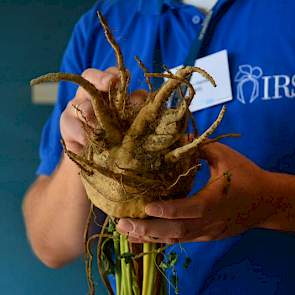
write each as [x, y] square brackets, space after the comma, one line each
[217, 66]
[207, 96]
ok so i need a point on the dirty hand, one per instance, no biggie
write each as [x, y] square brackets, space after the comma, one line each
[237, 197]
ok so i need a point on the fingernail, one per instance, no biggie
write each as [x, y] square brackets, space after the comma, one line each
[154, 210]
[125, 226]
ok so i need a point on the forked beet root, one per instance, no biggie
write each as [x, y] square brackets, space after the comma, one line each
[135, 156]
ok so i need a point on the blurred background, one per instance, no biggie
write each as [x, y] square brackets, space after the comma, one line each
[33, 37]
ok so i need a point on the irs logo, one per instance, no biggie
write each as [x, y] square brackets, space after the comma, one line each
[248, 76]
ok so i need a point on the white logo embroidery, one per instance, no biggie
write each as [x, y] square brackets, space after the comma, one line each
[248, 74]
[251, 85]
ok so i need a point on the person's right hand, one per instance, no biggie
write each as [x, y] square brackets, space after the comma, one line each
[71, 128]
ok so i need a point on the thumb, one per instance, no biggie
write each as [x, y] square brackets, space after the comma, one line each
[213, 153]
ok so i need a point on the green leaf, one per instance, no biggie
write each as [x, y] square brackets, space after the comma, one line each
[111, 226]
[172, 259]
[163, 265]
[169, 262]
[187, 262]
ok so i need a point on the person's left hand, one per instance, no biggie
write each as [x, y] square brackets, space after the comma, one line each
[237, 197]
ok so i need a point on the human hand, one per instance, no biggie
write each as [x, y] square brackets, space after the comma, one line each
[236, 198]
[80, 108]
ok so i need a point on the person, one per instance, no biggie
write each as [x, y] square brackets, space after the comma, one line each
[241, 242]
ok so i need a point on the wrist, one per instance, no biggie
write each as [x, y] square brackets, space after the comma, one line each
[67, 178]
[281, 195]
[69, 166]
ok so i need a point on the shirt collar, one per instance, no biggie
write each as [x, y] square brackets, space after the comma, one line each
[155, 6]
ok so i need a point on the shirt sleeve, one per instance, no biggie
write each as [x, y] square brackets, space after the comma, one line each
[76, 59]
[50, 147]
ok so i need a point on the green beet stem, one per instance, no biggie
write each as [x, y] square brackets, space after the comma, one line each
[117, 262]
[149, 268]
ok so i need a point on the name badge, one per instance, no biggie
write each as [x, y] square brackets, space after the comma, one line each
[217, 66]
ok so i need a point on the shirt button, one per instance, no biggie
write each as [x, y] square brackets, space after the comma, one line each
[196, 19]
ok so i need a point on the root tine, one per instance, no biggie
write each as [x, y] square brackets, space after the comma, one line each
[182, 110]
[115, 46]
[219, 137]
[176, 154]
[167, 69]
[191, 169]
[124, 75]
[85, 123]
[178, 114]
[150, 112]
[174, 82]
[147, 78]
[101, 110]
[177, 81]
[194, 124]
[80, 162]
[112, 91]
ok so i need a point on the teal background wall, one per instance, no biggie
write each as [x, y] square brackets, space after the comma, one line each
[33, 35]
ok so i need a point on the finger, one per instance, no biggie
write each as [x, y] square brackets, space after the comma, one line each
[72, 131]
[141, 240]
[160, 229]
[215, 153]
[146, 239]
[212, 232]
[204, 237]
[138, 98]
[194, 207]
[212, 153]
[83, 111]
[100, 79]
[113, 70]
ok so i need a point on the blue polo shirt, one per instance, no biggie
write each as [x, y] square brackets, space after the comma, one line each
[259, 37]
